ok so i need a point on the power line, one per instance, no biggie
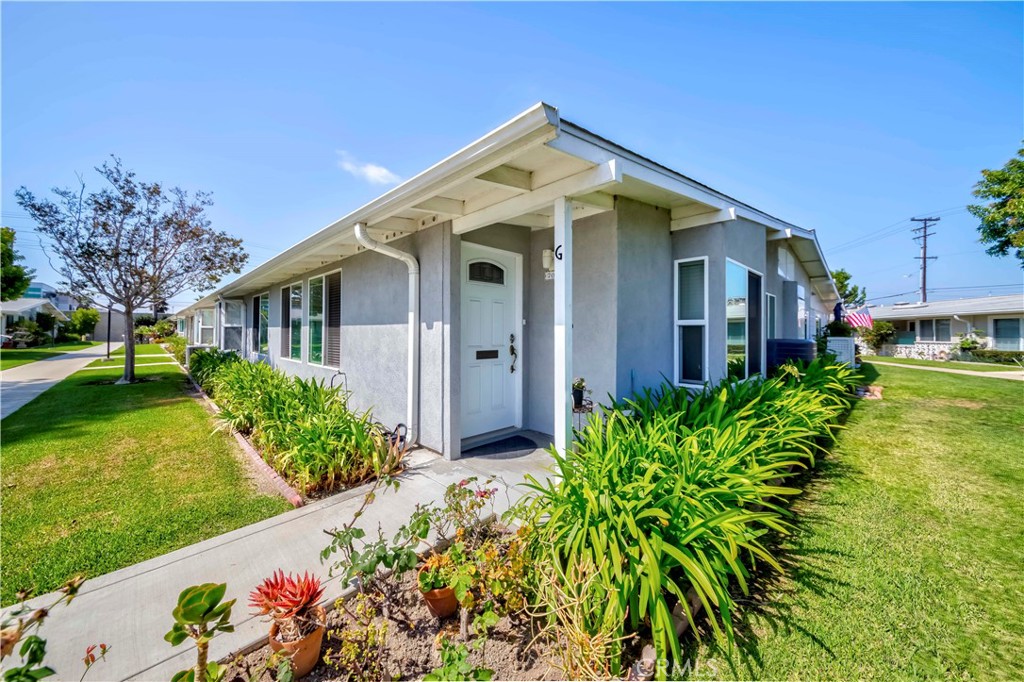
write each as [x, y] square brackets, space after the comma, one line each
[889, 230]
[965, 289]
[924, 258]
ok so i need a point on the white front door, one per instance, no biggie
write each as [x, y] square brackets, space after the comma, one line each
[491, 333]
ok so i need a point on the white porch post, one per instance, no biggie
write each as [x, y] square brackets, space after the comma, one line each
[563, 323]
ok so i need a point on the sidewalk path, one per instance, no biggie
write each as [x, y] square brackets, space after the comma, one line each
[130, 609]
[19, 385]
[1013, 374]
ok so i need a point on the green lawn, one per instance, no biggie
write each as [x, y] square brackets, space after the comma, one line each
[98, 477]
[976, 366]
[143, 349]
[118, 361]
[13, 357]
[906, 561]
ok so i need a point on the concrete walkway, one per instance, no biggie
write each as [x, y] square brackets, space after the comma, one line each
[137, 365]
[19, 385]
[130, 609]
[1014, 375]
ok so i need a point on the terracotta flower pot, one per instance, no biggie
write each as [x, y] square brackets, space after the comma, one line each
[305, 652]
[441, 602]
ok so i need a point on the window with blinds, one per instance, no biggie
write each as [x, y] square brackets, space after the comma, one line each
[690, 320]
[332, 340]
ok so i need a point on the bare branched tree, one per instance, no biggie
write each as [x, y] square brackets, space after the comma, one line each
[133, 243]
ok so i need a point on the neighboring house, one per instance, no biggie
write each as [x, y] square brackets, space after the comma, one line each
[66, 304]
[12, 312]
[932, 329]
[465, 300]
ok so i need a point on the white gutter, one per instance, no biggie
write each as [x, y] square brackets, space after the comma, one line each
[412, 413]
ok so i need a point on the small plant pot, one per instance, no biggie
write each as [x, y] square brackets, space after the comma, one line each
[577, 397]
[441, 602]
[305, 652]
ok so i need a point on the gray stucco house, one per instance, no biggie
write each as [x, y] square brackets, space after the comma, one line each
[934, 329]
[464, 301]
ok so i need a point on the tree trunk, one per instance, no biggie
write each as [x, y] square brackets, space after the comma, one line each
[129, 348]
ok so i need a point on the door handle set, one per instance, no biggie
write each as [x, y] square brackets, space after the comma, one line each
[512, 352]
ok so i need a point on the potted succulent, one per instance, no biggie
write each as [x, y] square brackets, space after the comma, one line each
[298, 620]
[579, 387]
[434, 580]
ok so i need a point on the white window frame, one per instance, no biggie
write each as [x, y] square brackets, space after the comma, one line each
[212, 326]
[307, 328]
[224, 322]
[775, 317]
[746, 324]
[259, 350]
[992, 329]
[935, 329]
[341, 283]
[802, 317]
[688, 323]
[256, 299]
[302, 322]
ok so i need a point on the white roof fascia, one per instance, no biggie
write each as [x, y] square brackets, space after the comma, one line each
[21, 305]
[535, 126]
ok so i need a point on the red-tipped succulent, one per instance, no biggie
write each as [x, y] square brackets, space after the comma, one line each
[285, 598]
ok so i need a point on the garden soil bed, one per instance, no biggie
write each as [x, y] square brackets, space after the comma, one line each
[512, 649]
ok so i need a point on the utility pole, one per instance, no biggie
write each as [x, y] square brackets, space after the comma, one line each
[924, 257]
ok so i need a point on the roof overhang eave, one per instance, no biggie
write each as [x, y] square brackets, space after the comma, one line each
[535, 126]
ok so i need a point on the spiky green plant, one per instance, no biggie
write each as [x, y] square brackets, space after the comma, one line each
[670, 493]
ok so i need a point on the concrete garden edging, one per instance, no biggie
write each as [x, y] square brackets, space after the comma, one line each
[280, 485]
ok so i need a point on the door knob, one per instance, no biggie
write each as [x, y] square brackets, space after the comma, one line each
[512, 353]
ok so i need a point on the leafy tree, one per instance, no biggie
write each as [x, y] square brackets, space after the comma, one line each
[133, 242]
[14, 279]
[853, 296]
[163, 328]
[1002, 218]
[83, 321]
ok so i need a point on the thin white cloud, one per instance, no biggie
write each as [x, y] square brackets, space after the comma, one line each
[370, 172]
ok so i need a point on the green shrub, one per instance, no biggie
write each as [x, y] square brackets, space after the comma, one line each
[839, 329]
[1009, 357]
[304, 428]
[164, 328]
[204, 363]
[880, 332]
[176, 344]
[672, 492]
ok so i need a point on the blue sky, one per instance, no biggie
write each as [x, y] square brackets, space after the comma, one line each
[844, 118]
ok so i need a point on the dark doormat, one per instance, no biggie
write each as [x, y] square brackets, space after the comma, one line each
[509, 447]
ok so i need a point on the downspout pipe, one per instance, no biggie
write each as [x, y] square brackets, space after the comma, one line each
[413, 397]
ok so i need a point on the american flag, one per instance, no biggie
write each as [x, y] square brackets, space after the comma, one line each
[860, 318]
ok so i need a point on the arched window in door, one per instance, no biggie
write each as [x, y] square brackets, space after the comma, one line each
[486, 272]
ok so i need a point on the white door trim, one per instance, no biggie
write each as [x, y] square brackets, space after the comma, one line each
[517, 322]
